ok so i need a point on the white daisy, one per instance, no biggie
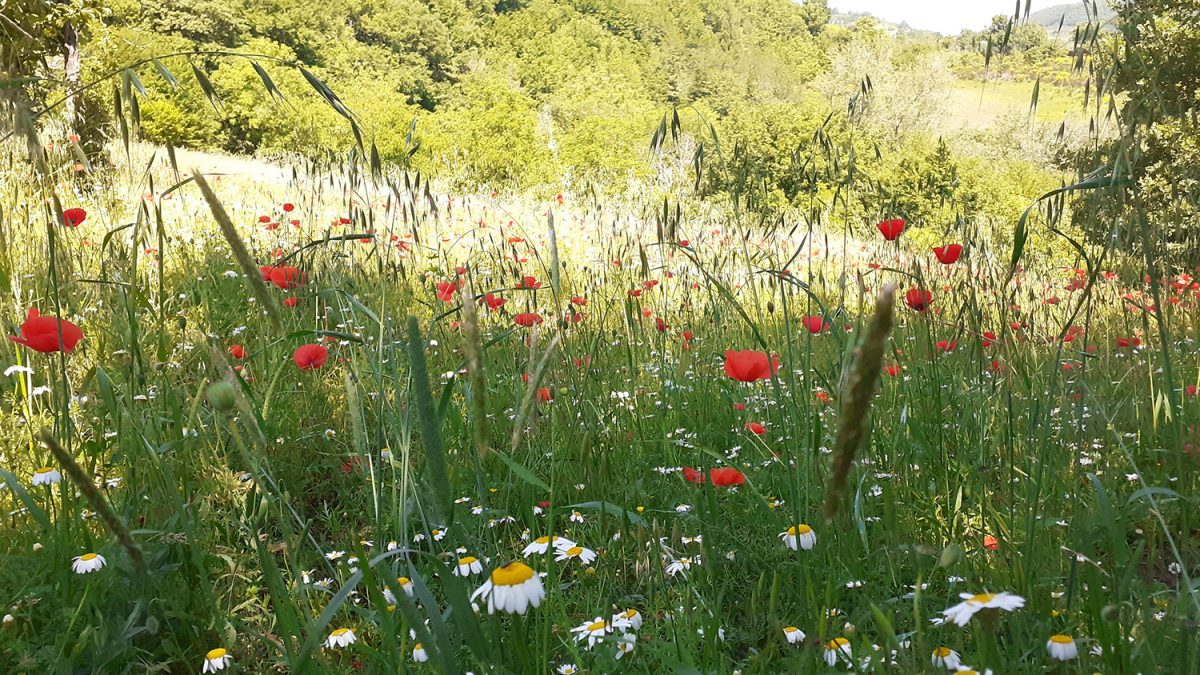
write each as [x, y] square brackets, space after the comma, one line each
[799, 536]
[632, 616]
[583, 555]
[944, 657]
[625, 645]
[543, 544]
[468, 566]
[340, 637]
[961, 613]
[419, 654]
[46, 475]
[511, 588]
[793, 635]
[405, 585]
[88, 562]
[216, 659]
[1062, 647]
[681, 566]
[838, 649]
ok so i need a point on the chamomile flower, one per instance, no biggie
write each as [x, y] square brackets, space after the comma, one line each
[468, 566]
[543, 544]
[944, 657]
[595, 630]
[88, 562]
[793, 635]
[340, 637]
[799, 536]
[576, 517]
[46, 475]
[438, 533]
[567, 669]
[511, 588]
[405, 585]
[625, 645]
[681, 566]
[583, 555]
[631, 616]
[968, 670]
[838, 649]
[419, 654]
[1062, 647]
[961, 613]
[216, 659]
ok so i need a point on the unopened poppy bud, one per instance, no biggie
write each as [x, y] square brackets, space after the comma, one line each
[950, 555]
[221, 396]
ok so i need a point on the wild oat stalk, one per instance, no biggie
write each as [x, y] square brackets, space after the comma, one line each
[531, 391]
[861, 389]
[253, 276]
[472, 344]
[97, 500]
[431, 434]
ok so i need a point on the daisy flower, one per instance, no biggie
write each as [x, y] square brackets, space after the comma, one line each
[340, 637]
[632, 616]
[944, 657]
[836, 649]
[625, 645]
[793, 635]
[216, 659]
[1062, 647]
[543, 544]
[405, 585]
[595, 630]
[968, 670]
[468, 566]
[567, 669]
[576, 517]
[961, 613]
[681, 566]
[801, 536]
[585, 555]
[46, 475]
[88, 562]
[511, 588]
[419, 654]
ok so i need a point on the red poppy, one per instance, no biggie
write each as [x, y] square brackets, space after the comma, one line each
[684, 242]
[660, 324]
[545, 395]
[948, 255]
[288, 208]
[1128, 342]
[264, 219]
[749, 365]
[579, 300]
[74, 217]
[726, 475]
[286, 276]
[687, 336]
[739, 406]
[310, 357]
[692, 475]
[237, 351]
[990, 543]
[527, 319]
[636, 293]
[494, 302]
[890, 229]
[815, 324]
[1190, 390]
[918, 299]
[892, 370]
[756, 428]
[530, 283]
[946, 345]
[988, 338]
[291, 301]
[823, 396]
[445, 291]
[41, 333]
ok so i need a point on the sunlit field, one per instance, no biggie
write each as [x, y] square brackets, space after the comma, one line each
[410, 431]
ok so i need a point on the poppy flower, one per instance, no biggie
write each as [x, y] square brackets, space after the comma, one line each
[527, 319]
[890, 229]
[948, 255]
[660, 325]
[892, 370]
[988, 338]
[739, 406]
[74, 217]
[756, 428]
[544, 395]
[918, 299]
[749, 365]
[990, 543]
[310, 357]
[529, 283]
[291, 301]
[1190, 390]
[815, 324]
[726, 475]
[287, 208]
[237, 351]
[41, 333]
[286, 276]
[494, 302]
[692, 475]
[264, 219]
[946, 345]
[579, 300]
[445, 291]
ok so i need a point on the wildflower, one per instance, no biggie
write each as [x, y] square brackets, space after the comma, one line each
[445, 291]
[944, 657]
[892, 370]
[793, 635]
[74, 217]
[237, 351]
[580, 553]
[567, 669]
[576, 517]
[961, 613]
[286, 277]
[527, 319]
[837, 648]
[681, 566]
[419, 654]
[405, 585]
[727, 475]
[948, 254]
[493, 302]
[890, 229]
[918, 299]
[41, 333]
[693, 475]
[1062, 647]
[310, 357]
[595, 630]
[756, 428]
[543, 544]
[630, 616]
[968, 670]
[216, 659]
[749, 365]
[511, 588]
[88, 562]
[625, 645]
[801, 536]
[340, 637]
[468, 566]
[46, 475]
[815, 324]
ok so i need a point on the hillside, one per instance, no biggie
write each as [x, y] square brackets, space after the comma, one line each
[1071, 15]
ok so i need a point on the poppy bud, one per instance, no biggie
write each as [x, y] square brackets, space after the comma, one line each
[221, 396]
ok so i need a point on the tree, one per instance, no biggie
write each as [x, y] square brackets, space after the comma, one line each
[816, 15]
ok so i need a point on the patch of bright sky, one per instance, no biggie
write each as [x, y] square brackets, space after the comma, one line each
[944, 16]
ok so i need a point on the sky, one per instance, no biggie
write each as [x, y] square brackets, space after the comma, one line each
[945, 16]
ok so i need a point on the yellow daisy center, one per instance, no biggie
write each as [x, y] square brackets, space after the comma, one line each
[837, 643]
[340, 632]
[403, 581]
[630, 613]
[599, 625]
[790, 629]
[44, 469]
[1061, 639]
[215, 654]
[574, 551]
[941, 652]
[469, 560]
[418, 647]
[799, 529]
[982, 598]
[512, 574]
[86, 557]
[542, 540]
[436, 532]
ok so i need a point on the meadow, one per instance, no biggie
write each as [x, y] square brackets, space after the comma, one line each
[322, 421]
